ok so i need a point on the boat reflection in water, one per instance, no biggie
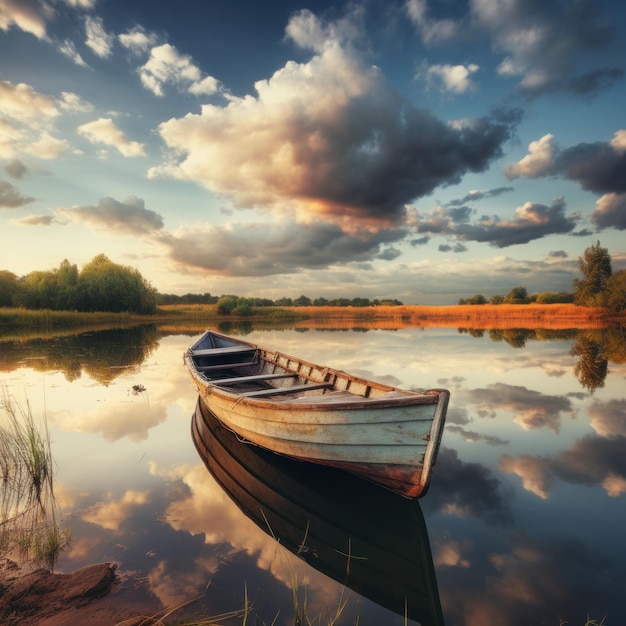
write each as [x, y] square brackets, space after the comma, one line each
[363, 536]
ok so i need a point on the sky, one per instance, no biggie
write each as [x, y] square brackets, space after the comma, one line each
[423, 150]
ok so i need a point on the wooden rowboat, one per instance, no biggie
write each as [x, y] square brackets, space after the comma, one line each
[359, 534]
[318, 414]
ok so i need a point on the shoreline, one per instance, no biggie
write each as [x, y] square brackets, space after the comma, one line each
[480, 317]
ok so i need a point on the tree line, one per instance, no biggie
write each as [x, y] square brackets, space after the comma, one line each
[599, 286]
[102, 285]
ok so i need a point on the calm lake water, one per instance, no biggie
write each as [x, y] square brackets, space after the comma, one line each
[524, 517]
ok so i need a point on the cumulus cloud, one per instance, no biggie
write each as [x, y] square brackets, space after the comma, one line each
[542, 43]
[137, 39]
[167, 65]
[454, 78]
[72, 102]
[11, 198]
[98, 40]
[532, 409]
[27, 15]
[128, 217]
[547, 45]
[255, 249]
[532, 221]
[599, 167]
[26, 119]
[104, 131]
[591, 461]
[608, 419]
[610, 211]
[328, 137]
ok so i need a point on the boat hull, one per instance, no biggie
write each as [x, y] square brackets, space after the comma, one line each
[361, 535]
[390, 436]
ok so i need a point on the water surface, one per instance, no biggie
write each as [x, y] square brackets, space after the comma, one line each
[524, 516]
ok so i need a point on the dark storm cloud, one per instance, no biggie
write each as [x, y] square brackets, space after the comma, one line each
[11, 198]
[532, 221]
[531, 408]
[255, 249]
[130, 216]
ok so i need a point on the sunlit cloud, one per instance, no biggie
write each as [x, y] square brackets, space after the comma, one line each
[597, 167]
[29, 119]
[129, 217]
[453, 78]
[326, 138]
[592, 461]
[27, 15]
[532, 409]
[111, 515]
[532, 221]
[137, 39]
[35, 220]
[167, 65]
[608, 419]
[104, 131]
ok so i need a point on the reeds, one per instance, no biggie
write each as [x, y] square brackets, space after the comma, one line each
[28, 515]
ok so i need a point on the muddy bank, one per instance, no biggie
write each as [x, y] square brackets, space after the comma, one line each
[96, 595]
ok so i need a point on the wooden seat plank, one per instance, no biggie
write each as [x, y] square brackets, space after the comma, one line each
[285, 390]
[252, 378]
[220, 351]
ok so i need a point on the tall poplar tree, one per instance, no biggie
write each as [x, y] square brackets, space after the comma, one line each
[595, 266]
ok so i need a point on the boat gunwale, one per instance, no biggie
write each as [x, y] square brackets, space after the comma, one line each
[409, 397]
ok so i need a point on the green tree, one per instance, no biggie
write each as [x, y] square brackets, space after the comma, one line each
[595, 265]
[302, 301]
[517, 295]
[615, 298]
[106, 286]
[9, 286]
[226, 304]
[477, 299]
[496, 299]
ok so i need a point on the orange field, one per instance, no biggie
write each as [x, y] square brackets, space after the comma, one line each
[488, 316]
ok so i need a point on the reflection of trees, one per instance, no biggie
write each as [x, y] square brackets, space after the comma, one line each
[595, 349]
[515, 337]
[104, 355]
[592, 367]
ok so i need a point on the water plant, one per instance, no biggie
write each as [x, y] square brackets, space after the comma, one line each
[28, 509]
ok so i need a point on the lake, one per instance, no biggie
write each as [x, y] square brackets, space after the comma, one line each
[523, 520]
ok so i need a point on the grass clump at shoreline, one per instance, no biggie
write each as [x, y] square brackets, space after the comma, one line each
[28, 515]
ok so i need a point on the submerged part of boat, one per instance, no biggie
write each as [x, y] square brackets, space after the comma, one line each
[314, 413]
[359, 534]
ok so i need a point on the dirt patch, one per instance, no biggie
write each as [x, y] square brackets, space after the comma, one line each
[95, 595]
